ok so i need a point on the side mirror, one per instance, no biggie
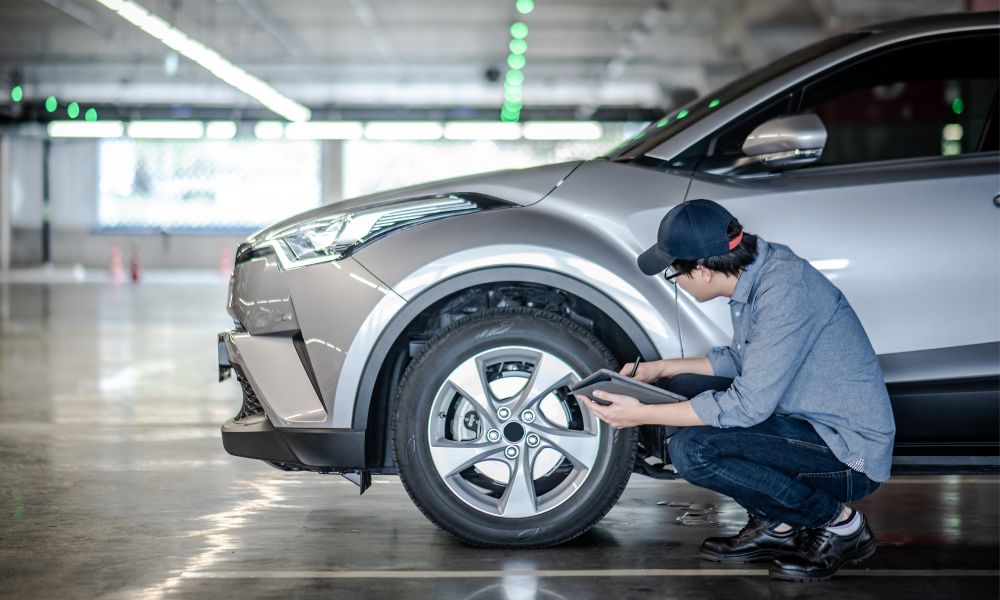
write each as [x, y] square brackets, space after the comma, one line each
[785, 142]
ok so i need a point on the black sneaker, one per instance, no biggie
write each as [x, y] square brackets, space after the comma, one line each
[754, 542]
[823, 552]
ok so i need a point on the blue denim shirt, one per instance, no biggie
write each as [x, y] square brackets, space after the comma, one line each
[799, 349]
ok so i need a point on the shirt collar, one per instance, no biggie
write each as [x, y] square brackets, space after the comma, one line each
[749, 275]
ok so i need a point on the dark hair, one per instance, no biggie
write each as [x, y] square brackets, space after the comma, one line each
[729, 263]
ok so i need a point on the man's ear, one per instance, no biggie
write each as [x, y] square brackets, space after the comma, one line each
[706, 274]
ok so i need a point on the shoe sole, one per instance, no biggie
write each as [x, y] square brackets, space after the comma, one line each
[861, 556]
[759, 556]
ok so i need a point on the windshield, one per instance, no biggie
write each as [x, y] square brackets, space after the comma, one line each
[679, 119]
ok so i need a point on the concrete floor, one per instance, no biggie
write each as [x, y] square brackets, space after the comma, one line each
[114, 483]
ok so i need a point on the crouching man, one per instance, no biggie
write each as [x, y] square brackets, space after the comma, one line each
[792, 420]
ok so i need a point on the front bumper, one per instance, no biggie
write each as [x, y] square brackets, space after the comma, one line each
[300, 350]
[251, 434]
[308, 335]
[295, 448]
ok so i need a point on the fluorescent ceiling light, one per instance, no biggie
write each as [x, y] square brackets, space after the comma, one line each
[404, 130]
[482, 130]
[324, 130]
[86, 129]
[187, 130]
[220, 130]
[269, 130]
[563, 130]
[209, 59]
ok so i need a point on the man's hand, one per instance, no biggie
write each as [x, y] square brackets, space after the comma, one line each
[624, 411]
[648, 372]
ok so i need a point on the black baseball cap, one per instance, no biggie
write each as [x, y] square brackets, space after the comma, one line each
[692, 230]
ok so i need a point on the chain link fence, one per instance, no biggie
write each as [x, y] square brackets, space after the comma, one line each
[177, 185]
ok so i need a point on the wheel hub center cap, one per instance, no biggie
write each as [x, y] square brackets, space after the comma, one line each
[513, 432]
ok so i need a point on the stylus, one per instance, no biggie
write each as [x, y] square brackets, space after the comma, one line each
[635, 367]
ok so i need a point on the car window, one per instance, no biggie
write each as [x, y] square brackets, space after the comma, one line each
[926, 99]
[680, 119]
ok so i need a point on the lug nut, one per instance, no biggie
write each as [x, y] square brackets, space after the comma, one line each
[532, 440]
[510, 452]
[503, 412]
[493, 435]
[527, 416]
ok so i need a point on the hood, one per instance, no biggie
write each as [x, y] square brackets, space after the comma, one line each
[520, 186]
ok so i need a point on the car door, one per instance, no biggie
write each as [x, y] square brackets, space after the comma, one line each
[900, 212]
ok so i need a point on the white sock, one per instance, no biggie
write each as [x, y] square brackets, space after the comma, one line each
[781, 528]
[848, 527]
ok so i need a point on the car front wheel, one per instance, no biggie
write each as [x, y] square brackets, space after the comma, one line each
[489, 443]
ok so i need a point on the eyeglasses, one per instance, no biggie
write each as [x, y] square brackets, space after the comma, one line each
[671, 274]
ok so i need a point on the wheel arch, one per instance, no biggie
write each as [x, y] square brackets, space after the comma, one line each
[390, 355]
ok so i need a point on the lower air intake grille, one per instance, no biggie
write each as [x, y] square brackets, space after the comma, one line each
[251, 405]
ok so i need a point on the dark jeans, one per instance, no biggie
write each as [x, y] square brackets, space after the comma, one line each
[779, 470]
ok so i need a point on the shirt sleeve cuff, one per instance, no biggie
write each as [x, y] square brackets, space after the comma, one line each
[706, 408]
[722, 362]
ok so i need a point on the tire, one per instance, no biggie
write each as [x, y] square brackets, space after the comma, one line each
[451, 451]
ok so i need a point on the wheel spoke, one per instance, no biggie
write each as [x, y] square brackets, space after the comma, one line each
[519, 500]
[580, 447]
[451, 458]
[470, 381]
[549, 373]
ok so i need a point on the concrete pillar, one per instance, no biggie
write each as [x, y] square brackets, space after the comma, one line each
[331, 171]
[5, 229]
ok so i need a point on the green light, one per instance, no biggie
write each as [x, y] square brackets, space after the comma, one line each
[506, 118]
[957, 106]
[515, 77]
[663, 121]
[518, 46]
[713, 103]
[519, 31]
[524, 6]
[16, 93]
[638, 135]
[73, 110]
[51, 104]
[90, 115]
[513, 95]
[516, 61]
[682, 114]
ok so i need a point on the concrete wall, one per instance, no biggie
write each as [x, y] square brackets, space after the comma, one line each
[73, 169]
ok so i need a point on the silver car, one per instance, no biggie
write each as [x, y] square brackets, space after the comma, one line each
[433, 331]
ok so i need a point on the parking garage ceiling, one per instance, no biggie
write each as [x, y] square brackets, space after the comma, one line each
[425, 59]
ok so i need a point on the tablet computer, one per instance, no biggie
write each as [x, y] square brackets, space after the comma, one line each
[611, 382]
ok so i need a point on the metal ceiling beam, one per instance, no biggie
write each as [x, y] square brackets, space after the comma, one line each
[84, 15]
[273, 25]
[626, 51]
[367, 16]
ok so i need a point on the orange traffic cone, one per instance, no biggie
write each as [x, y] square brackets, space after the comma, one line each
[115, 267]
[225, 262]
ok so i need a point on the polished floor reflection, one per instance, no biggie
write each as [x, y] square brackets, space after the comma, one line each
[114, 483]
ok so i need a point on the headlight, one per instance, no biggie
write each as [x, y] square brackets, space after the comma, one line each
[335, 236]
